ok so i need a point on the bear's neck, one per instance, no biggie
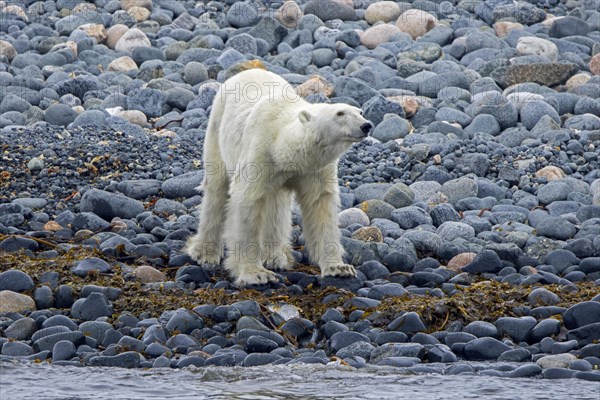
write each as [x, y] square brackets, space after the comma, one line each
[306, 153]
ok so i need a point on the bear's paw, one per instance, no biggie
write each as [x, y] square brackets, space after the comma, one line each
[278, 263]
[202, 253]
[254, 275]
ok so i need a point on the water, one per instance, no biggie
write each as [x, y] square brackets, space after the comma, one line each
[18, 381]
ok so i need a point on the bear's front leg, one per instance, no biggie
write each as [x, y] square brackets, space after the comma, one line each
[245, 222]
[319, 223]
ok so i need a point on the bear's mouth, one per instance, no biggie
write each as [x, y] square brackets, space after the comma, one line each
[358, 136]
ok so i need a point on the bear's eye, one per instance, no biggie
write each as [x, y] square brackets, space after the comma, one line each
[340, 113]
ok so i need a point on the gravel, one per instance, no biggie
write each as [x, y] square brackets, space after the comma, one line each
[471, 213]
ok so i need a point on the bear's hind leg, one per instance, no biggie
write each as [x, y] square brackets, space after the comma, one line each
[277, 232]
[207, 246]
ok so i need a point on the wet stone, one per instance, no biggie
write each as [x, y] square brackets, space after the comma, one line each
[397, 350]
[128, 359]
[16, 349]
[48, 342]
[342, 339]
[21, 329]
[485, 348]
[63, 350]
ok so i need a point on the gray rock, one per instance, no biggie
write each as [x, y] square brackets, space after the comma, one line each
[184, 321]
[556, 228]
[139, 189]
[128, 359]
[16, 281]
[516, 328]
[48, 342]
[269, 30]
[83, 267]
[90, 221]
[411, 217]
[184, 185]
[431, 86]
[31, 202]
[547, 74]
[16, 349]
[483, 123]
[495, 104]
[255, 359]
[242, 15]
[376, 209]
[391, 128]
[399, 196]
[356, 349]
[542, 297]
[485, 348]
[243, 43]
[486, 261]
[60, 114]
[63, 350]
[581, 314]
[195, 73]
[14, 244]
[397, 350]
[327, 10]
[356, 89]
[342, 339]
[92, 307]
[478, 163]
[441, 353]
[586, 334]
[108, 205]
[443, 213]
[458, 189]
[90, 118]
[568, 26]
[259, 344]
[95, 329]
[78, 86]
[348, 283]
[149, 101]
[532, 112]
[553, 191]
[451, 230]
[378, 106]
[407, 323]
[522, 11]
[44, 298]
[481, 329]
[526, 371]
[21, 329]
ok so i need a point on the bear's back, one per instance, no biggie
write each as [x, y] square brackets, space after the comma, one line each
[256, 85]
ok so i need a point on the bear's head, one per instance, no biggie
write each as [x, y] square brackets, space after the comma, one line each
[335, 124]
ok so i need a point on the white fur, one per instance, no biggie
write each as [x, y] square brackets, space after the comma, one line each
[263, 145]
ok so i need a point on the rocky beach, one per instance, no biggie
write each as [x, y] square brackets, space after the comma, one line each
[471, 213]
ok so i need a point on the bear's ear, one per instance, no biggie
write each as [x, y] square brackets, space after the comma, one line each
[304, 116]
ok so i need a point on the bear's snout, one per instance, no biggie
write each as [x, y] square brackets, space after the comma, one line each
[366, 127]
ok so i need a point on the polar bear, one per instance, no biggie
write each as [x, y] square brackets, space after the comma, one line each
[263, 145]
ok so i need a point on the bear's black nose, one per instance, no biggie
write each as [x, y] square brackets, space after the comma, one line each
[366, 127]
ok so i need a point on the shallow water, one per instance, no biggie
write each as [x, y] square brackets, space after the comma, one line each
[42, 381]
